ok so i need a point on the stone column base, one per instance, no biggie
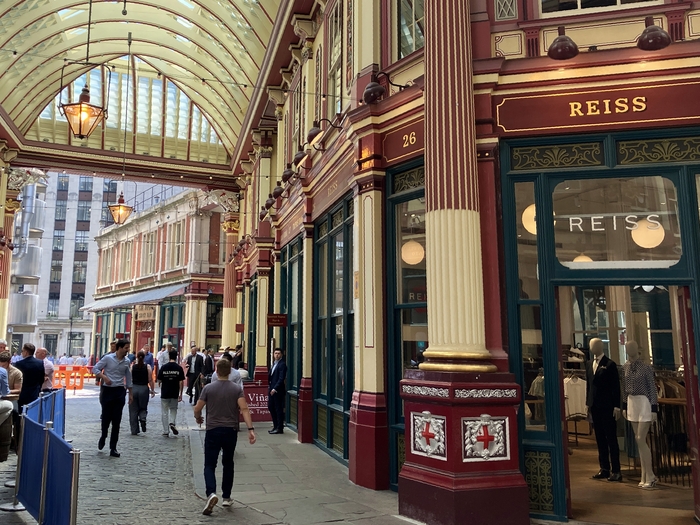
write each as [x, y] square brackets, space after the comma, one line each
[368, 438]
[305, 412]
[261, 376]
[462, 450]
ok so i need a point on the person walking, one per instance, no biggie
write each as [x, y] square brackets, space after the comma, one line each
[237, 357]
[234, 376]
[142, 379]
[276, 392]
[208, 368]
[194, 364]
[171, 378]
[41, 354]
[223, 400]
[114, 373]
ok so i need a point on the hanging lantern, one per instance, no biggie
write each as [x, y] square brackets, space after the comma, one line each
[82, 116]
[120, 211]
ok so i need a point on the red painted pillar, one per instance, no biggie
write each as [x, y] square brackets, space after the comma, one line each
[461, 412]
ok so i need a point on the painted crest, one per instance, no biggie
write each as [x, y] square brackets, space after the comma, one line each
[485, 438]
[428, 435]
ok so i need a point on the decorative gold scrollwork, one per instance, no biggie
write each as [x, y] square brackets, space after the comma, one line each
[558, 156]
[538, 476]
[658, 150]
[409, 180]
[231, 226]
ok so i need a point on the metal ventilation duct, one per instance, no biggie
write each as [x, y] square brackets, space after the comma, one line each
[27, 270]
[22, 312]
[36, 224]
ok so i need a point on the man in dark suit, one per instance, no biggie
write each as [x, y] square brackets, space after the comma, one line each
[276, 392]
[33, 375]
[603, 401]
[195, 364]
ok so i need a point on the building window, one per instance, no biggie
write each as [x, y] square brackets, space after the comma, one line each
[149, 254]
[214, 312]
[291, 304]
[106, 215]
[58, 238]
[176, 244]
[77, 301]
[76, 343]
[106, 271]
[335, 59]
[52, 308]
[125, 266]
[82, 239]
[84, 210]
[61, 207]
[555, 6]
[63, 183]
[109, 186]
[79, 272]
[506, 9]
[411, 26]
[56, 271]
[51, 343]
[85, 183]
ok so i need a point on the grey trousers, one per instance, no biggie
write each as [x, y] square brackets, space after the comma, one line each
[138, 409]
[168, 408]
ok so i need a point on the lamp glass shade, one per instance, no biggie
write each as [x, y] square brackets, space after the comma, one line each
[315, 135]
[528, 219]
[82, 116]
[300, 157]
[120, 211]
[412, 253]
[583, 258]
[647, 234]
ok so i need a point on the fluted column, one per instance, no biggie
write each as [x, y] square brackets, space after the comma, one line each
[229, 317]
[456, 331]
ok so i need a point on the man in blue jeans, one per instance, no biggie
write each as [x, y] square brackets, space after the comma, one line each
[223, 400]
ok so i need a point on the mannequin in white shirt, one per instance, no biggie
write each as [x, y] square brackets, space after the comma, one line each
[641, 423]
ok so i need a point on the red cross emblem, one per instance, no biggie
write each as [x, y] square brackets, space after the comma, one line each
[485, 438]
[427, 434]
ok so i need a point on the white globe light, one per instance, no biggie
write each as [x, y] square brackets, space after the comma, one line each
[647, 234]
[412, 253]
[528, 219]
[582, 259]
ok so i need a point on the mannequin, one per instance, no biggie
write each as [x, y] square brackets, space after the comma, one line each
[603, 401]
[639, 407]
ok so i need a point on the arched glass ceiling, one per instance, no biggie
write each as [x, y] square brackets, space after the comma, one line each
[159, 120]
[208, 50]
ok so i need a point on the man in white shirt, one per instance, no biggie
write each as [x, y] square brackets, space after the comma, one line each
[234, 375]
[48, 369]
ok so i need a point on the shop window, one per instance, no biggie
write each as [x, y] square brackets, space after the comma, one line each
[556, 6]
[533, 366]
[527, 240]
[616, 223]
[411, 26]
[61, 207]
[291, 304]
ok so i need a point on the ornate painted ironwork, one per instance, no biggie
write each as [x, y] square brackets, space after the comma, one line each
[557, 156]
[485, 438]
[17, 178]
[485, 393]
[409, 180]
[538, 476]
[428, 435]
[427, 391]
[228, 200]
[658, 150]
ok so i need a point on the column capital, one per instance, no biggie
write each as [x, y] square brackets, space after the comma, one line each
[367, 183]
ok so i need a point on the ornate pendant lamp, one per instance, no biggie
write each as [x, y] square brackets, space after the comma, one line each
[83, 117]
[120, 211]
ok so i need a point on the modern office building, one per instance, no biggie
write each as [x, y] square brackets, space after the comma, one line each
[441, 203]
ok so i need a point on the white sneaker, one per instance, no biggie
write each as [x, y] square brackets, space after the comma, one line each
[211, 503]
[227, 502]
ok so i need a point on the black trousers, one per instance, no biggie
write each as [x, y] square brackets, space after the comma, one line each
[112, 400]
[605, 428]
[275, 405]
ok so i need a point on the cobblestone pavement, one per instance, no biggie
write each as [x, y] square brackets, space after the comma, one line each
[159, 480]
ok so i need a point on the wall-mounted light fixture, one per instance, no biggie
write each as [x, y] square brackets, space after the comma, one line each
[287, 174]
[300, 156]
[277, 191]
[374, 90]
[316, 133]
[653, 38]
[563, 47]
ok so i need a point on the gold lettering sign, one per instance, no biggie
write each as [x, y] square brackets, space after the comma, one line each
[607, 106]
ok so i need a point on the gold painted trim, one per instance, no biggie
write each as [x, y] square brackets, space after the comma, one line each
[445, 367]
[439, 354]
[593, 124]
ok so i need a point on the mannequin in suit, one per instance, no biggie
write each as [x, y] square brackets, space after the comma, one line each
[603, 401]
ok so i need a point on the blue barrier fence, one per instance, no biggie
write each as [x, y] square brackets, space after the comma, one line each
[47, 467]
